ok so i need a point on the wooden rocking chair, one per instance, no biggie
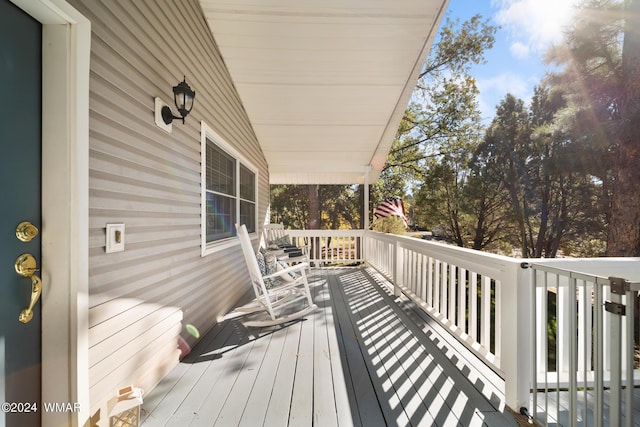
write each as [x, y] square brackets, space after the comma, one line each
[273, 299]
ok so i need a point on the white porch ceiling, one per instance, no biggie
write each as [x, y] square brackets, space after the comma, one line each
[324, 82]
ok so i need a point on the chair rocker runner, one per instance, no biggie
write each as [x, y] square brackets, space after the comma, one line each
[283, 293]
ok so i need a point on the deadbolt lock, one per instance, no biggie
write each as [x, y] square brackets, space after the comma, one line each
[25, 231]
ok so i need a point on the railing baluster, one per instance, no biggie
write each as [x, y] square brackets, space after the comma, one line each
[444, 291]
[430, 273]
[423, 277]
[462, 299]
[630, 318]
[615, 361]
[533, 319]
[559, 344]
[584, 340]
[541, 322]
[411, 266]
[473, 305]
[485, 312]
[598, 342]
[451, 315]
[542, 336]
[498, 319]
[406, 271]
[573, 386]
[436, 285]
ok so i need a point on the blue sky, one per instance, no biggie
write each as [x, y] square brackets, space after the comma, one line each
[514, 65]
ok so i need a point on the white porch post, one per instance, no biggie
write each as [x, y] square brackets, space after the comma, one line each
[515, 341]
[365, 212]
[367, 170]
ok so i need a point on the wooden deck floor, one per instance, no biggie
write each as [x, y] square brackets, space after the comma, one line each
[359, 360]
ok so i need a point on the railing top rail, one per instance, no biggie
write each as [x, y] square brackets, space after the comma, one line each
[572, 274]
[329, 233]
[597, 270]
[483, 263]
[408, 240]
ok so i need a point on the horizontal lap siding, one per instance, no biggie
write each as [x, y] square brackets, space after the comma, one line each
[140, 299]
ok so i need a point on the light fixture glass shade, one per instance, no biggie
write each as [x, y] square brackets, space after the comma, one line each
[183, 97]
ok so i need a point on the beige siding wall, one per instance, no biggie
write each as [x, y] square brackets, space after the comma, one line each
[149, 180]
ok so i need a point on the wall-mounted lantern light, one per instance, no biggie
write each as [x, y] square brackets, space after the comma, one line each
[183, 97]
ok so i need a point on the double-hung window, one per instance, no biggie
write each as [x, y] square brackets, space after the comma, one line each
[229, 184]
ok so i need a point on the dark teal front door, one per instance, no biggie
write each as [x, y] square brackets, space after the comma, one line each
[20, 171]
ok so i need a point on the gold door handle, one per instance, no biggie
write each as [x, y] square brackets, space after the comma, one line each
[26, 267]
[36, 290]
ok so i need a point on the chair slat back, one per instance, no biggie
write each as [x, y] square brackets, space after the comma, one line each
[273, 232]
[252, 263]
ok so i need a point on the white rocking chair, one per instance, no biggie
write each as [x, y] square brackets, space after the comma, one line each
[272, 300]
[273, 232]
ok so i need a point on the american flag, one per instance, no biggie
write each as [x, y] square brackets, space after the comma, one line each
[391, 206]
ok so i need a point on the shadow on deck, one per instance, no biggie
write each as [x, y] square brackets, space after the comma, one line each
[364, 358]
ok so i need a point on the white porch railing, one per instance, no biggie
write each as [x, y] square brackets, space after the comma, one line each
[464, 289]
[503, 309]
[330, 247]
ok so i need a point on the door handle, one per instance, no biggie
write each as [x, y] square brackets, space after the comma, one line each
[26, 267]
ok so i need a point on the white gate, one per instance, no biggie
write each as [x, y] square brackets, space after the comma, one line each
[583, 343]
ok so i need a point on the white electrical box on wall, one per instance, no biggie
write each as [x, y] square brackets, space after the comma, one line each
[115, 238]
[158, 104]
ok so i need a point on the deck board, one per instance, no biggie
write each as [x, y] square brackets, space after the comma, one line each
[243, 383]
[302, 398]
[280, 400]
[366, 410]
[341, 387]
[324, 408]
[255, 410]
[353, 362]
[219, 381]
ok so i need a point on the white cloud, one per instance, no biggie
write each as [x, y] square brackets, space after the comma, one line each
[494, 89]
[535, 24]
[519, 50]
[505, 83]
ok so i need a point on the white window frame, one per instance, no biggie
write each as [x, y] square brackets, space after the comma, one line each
[206, 133]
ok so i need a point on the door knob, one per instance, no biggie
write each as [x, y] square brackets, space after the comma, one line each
[25, 231]
[26, 267]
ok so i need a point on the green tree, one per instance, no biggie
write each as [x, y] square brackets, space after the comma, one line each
[389, 224]
[289, 205]
[504, 154]
[551, 195]
[440, 128]
[440, 195]
[563, 188]
[336, 206]
[601, 78]
[444, 106]
[484, 199]
[340, 206]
